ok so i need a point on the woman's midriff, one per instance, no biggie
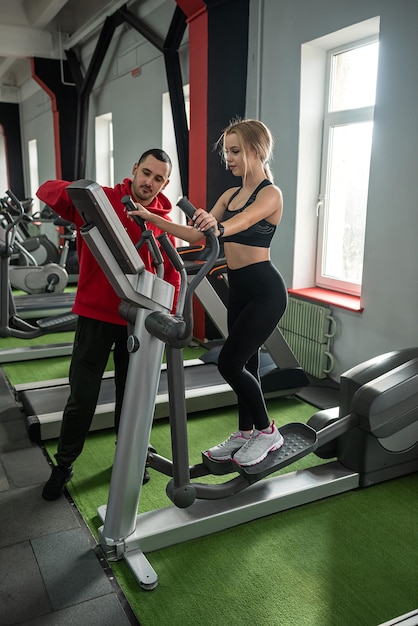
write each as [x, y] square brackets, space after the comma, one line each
[238, 255]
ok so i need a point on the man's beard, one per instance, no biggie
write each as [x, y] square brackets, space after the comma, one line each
[141, 194]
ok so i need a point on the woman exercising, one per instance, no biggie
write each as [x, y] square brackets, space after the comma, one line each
[245, 218]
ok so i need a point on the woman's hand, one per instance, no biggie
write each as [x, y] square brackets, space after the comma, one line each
[140, 212]
[202, 220]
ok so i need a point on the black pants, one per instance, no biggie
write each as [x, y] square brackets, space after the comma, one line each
[257, 301]
[92, 346]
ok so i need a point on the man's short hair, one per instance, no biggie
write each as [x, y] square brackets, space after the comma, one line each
[158, 154]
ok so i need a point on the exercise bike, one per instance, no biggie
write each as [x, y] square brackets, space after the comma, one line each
[36, 264]
[373, 433]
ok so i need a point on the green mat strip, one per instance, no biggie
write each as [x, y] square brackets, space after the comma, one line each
[57, 367]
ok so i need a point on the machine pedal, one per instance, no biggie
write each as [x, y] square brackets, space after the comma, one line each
[218, 468]
[299, 440]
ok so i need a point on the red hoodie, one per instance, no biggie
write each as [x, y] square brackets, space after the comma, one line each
[95, 297]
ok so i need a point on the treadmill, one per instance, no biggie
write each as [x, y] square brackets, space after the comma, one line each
[35, 306]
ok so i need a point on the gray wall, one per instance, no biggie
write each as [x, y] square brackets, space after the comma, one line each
[390, 280]
[278, 29]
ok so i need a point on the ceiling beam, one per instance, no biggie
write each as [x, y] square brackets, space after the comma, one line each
[41, 12]
[21, 41]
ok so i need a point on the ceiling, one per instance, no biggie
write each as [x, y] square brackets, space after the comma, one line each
[46, 28]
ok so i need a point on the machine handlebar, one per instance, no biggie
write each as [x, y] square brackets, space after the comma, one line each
[131, 206]
[147, 236]
[187, 207]
[176, 330]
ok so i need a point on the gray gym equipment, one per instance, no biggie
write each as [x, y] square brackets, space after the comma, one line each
[11, 324]
[408, 619]
[375, 429]
[35, 263]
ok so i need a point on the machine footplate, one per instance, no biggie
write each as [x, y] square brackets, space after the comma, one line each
[218, 468]
[299, 440]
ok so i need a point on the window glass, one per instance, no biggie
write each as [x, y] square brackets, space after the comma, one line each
[34, 174]
[104, 150]
[347, 201]
[353, 81]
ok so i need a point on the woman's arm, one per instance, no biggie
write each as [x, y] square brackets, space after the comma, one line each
[268, 204]
[182, 231]
[190, 232]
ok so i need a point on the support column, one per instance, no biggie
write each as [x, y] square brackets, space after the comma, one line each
[10, 120]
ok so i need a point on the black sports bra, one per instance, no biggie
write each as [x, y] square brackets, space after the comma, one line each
[259, 234]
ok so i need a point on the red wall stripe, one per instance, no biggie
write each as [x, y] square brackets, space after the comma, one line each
[196, 14]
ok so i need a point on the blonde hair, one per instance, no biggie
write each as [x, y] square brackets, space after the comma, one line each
[252, 135]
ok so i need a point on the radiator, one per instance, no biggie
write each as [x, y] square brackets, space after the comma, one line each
[308, 329]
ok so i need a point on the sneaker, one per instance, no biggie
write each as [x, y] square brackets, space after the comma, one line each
[225, 450]
[258, 447]
[60, 476]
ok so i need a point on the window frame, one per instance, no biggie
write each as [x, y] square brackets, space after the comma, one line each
[331, 120]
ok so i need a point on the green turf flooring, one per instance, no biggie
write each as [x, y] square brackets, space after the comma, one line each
[348, 560]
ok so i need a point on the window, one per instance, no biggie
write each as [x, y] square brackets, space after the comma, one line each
[346, 152]
[34, 174]
[104, 150]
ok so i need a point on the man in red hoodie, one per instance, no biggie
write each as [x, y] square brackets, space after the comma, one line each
[99, 325]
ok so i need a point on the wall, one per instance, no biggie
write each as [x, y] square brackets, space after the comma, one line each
[390, 282]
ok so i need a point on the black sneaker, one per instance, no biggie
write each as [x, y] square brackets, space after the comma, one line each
[146, 477]
[54, 488]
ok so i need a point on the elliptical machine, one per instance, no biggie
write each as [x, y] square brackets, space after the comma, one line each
[373, 434]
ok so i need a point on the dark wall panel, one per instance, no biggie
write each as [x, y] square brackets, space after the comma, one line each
[218, 50]
[227, 82]
[10, 120]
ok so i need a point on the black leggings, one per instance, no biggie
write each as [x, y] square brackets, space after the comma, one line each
[257, 301]
[92, 346]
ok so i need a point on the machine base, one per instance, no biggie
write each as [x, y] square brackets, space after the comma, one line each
[170, 526]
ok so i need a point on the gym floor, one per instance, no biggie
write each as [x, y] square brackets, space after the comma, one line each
[51, 572]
